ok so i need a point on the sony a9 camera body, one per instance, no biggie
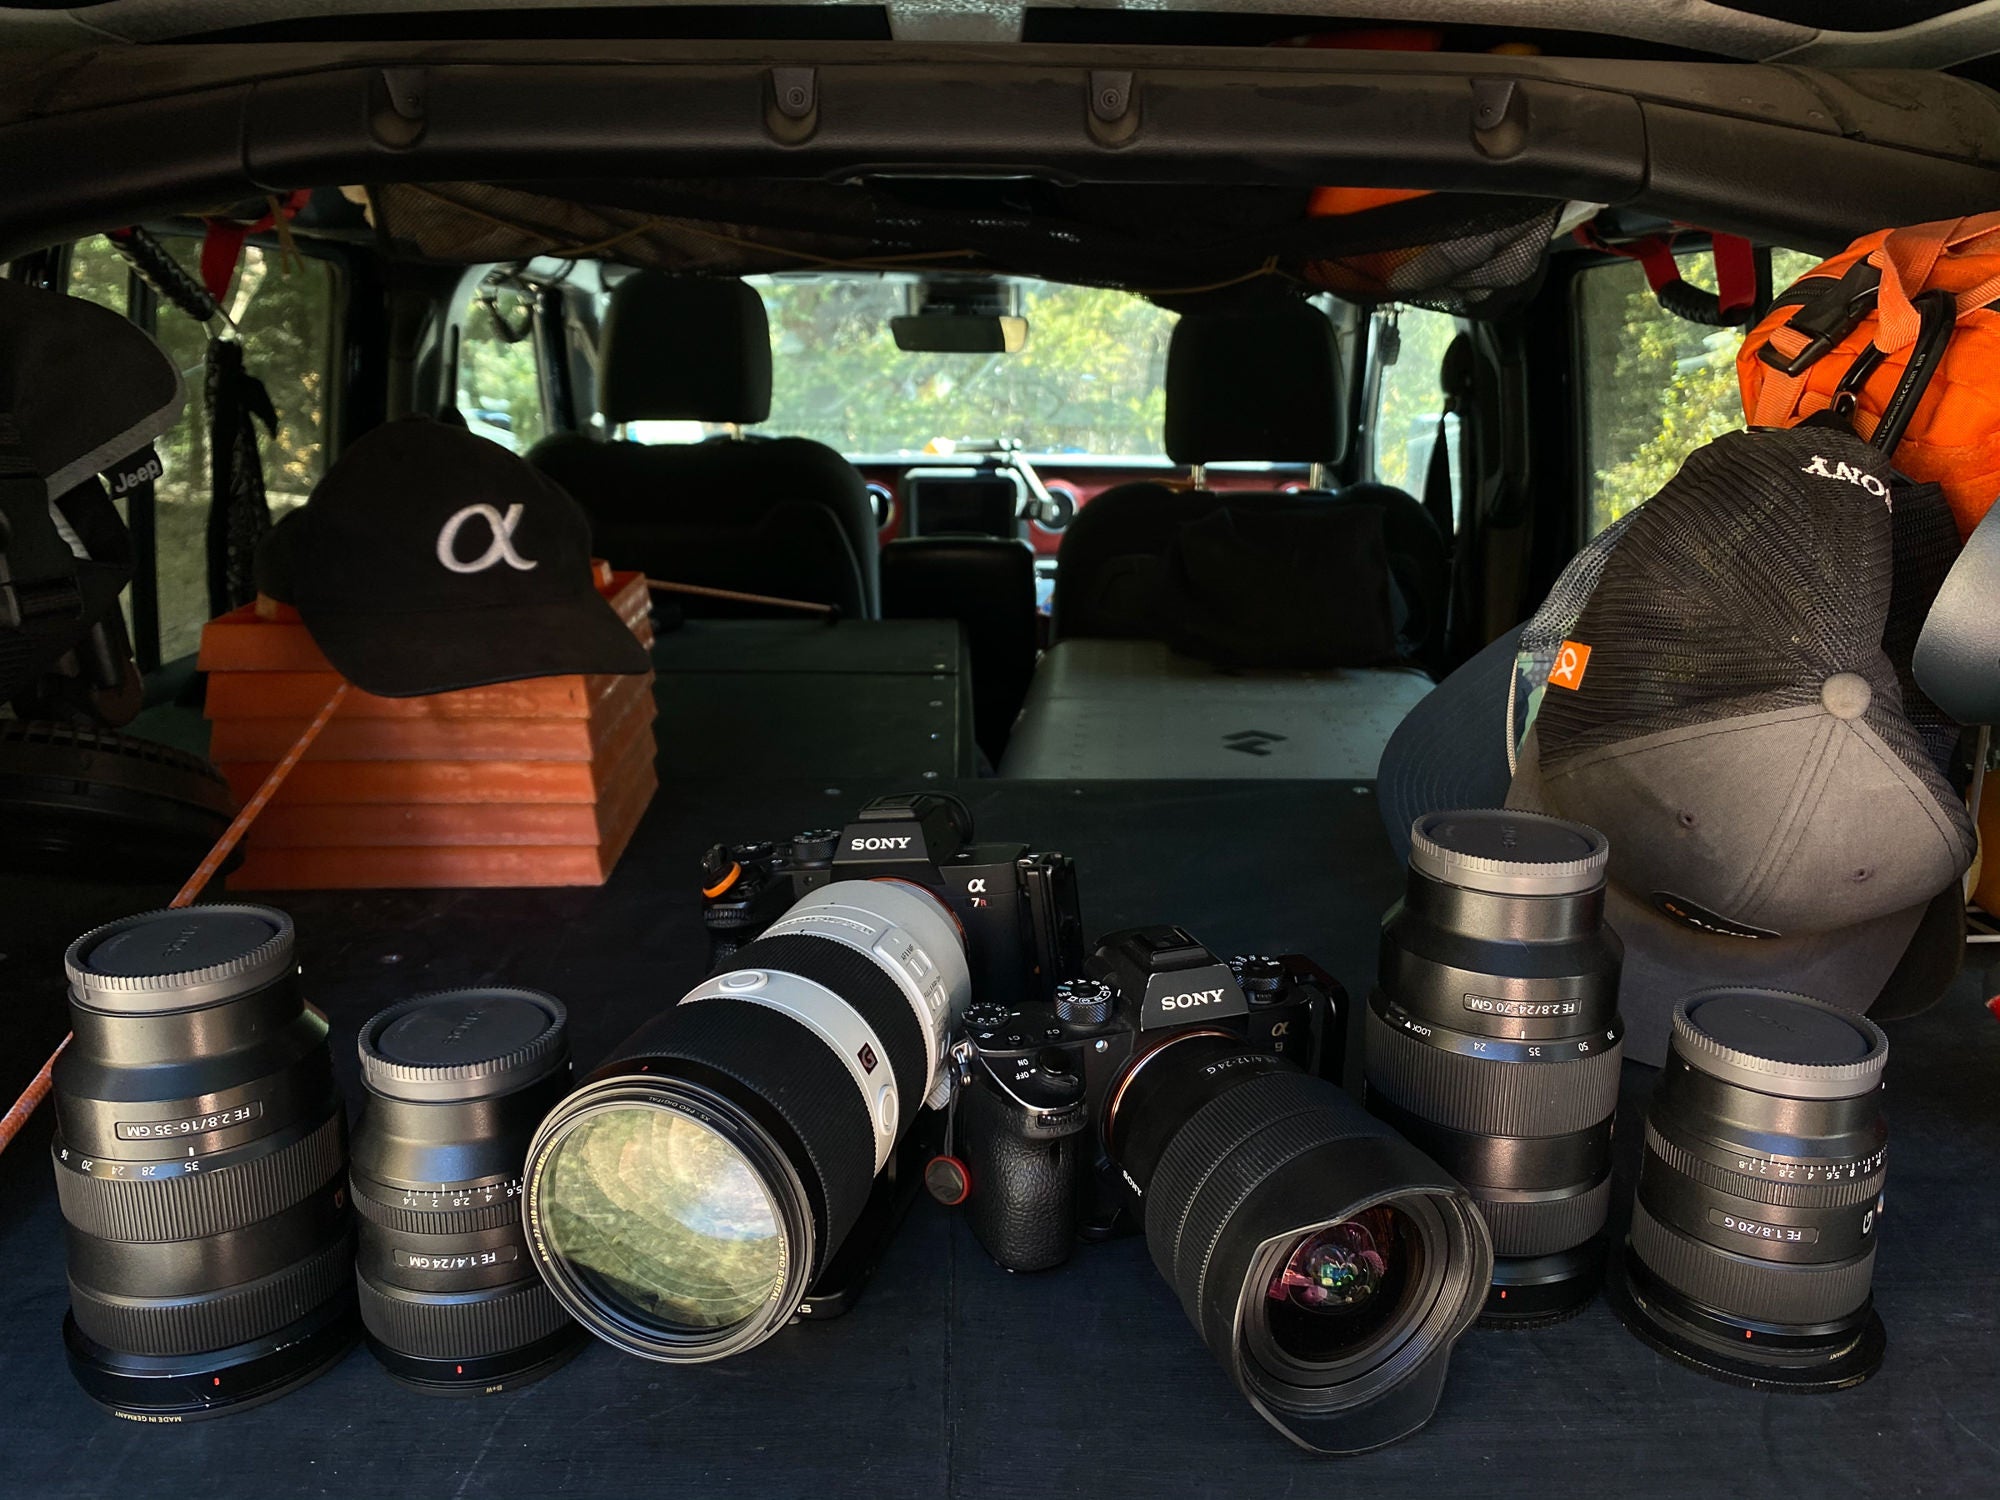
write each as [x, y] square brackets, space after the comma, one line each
[1018, 909]
[1043, 1078]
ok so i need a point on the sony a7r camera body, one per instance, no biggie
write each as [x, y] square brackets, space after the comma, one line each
[1018, 909]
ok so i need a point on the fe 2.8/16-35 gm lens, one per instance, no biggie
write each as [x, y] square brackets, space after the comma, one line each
[1760, 1194]
[200, 1158]
[1493, 1040]
[456, 1085]
[1327, 1263]
[683, 1200]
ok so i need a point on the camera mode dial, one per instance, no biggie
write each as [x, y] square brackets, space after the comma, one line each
[1084, 1002]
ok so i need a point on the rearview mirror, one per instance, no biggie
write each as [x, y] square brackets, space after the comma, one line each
[958, 333]
[962, 315]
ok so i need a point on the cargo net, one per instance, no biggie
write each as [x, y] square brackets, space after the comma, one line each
[1737, 590]
[1459, 253]
[1485, 264]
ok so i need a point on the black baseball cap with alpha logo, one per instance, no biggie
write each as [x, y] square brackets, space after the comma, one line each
[429, 559]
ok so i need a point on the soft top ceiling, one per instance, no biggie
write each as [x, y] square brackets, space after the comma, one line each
[1825, 33]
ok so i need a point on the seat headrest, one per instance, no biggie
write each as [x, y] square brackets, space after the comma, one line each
[684, 348]
[1262, 385]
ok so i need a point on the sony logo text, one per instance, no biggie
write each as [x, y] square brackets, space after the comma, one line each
[1820, 468]
[862, 844]
[1191, 1000]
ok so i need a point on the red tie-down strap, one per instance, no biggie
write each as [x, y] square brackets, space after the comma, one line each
[222, 245]
[1728, 306]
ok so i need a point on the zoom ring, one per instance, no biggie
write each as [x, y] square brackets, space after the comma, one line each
[1218, 1157]
[426, 1326]
[1760, 1291]
[1544, 1227]
[1486, 1097]
[435, 1221]
[1845, 1193]
[198, 1205]
[215, 1320]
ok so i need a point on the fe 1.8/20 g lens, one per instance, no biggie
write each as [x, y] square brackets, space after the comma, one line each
[1493, 1040]
[200, 1157]
[683, 1200]
[457, 1084]
[1760, 1193]
[1327, 1263]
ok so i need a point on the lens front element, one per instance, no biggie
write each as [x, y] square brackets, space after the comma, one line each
[1342, 1286]
[666, 1220]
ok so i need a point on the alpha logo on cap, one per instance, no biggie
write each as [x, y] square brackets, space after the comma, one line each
[1819, 468]
[499, 545]
[1571, 659]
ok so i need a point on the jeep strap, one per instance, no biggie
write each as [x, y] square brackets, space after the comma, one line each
[1728, 306]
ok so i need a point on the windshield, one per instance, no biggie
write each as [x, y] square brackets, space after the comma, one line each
[1089, 383]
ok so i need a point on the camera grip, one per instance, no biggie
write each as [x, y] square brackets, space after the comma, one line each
[1022, 1205]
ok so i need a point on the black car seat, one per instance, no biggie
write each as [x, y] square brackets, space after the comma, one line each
[732, 512]
[1241, 385]
[987, 584]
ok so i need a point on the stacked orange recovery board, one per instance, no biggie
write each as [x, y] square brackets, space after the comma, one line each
[532, 783]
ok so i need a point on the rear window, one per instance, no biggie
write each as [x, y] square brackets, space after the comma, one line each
[1090, 382]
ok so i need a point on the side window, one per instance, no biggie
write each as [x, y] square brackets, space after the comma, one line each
[1409, 399]
[284, 315]
[499, 370]
[1654, 387]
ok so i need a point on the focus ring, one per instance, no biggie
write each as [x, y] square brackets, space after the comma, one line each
[214, 1320]
[197, 1205]
[433, 1221]
[1545, 1226]
[1489, 1097]
[1738, 1286]
[432, 1325]
[1845, 1193]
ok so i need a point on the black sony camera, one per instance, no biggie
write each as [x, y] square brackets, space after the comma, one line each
[1018, 908]
[1038, 1075]
[1327, 1263]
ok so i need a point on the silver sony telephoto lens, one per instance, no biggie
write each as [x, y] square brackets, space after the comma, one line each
[684, 1199]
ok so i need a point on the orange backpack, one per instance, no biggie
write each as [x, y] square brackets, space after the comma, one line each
[1898, 331]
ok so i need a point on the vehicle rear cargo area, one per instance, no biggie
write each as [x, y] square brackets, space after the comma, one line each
[952, 1376]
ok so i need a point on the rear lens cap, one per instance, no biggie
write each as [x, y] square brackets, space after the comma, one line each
[463, 1044]
[1780, 1043]
[179, 959]
[1504, 852]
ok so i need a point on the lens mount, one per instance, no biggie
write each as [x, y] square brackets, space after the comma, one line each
[584, 1293]
[1759, 1356]
[188, 1388]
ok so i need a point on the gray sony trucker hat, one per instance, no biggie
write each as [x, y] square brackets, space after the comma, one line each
[1725, 712]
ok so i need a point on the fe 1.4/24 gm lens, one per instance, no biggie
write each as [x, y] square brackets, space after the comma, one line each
[456, 1085]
